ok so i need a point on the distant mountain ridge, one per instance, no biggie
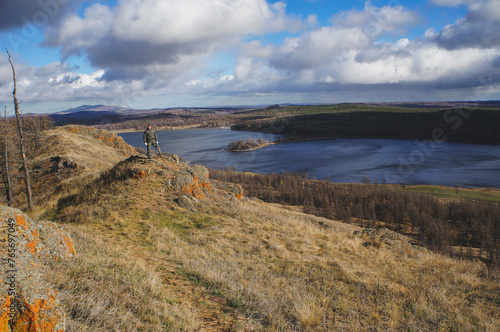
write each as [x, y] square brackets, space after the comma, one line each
[93, 108]
[91, 115]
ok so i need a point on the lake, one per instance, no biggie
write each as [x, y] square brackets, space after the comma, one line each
[342, 160]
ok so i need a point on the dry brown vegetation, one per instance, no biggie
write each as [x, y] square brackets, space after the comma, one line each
[145, 264]
[465, 227]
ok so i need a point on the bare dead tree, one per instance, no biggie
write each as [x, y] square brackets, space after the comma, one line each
[29, 194]
[6, 174]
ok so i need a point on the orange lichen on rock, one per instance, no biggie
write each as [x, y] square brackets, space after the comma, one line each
[69, 244]
[20, 220]
[239, 195]
[36, 307]
[4, 315]
[192, 181]
[32, 246]
[40, 315]
[140, 174]
[195, 188]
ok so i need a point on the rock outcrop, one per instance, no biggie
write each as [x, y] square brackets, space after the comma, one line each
[27, 303]
[192, 181]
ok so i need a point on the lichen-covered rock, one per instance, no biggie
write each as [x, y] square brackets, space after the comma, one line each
[192, 181]
[138, 173]
[234, 190]
[199, 171]
[26, 301]
[182, 181]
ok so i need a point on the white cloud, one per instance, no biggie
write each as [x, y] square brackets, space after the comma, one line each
[376, 21]
[139, 33]
[347, 54]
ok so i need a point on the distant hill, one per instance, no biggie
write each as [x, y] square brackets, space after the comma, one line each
[103, 116]
[463, 122]
[454, 122]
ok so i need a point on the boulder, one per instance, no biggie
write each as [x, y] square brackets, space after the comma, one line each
[234, 190]
[27, 303]
[170, 157]
[192, 181]
[186, 203]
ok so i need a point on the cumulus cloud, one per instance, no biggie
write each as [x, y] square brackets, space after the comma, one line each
[479, 28]
[348, 55]
[54, 82]
[376, 21]
[351, 31]
[139, 33]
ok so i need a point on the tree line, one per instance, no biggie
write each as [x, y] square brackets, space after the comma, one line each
[467, 228]
[461, 125]
[248, 144]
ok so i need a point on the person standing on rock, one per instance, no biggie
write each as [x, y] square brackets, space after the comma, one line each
[150, 138]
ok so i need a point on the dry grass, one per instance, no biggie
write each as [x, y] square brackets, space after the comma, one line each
[105, 289]
[95, 150]
[298, 276]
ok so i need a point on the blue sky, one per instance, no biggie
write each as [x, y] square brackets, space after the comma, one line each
[195, 53]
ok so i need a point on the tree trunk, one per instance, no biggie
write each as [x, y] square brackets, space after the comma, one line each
[6, 174]
[29, 195]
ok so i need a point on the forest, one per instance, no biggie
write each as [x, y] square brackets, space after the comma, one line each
[461, 125]
[465, 228]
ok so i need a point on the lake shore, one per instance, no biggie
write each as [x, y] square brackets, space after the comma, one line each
[345, 160]
[131, 130]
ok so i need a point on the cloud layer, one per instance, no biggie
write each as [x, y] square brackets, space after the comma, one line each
[146, 49]
[138, 33]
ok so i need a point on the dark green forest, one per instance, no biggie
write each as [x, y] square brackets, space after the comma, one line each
[461, 125]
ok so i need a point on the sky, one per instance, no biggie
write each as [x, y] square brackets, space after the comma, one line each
[208, 53]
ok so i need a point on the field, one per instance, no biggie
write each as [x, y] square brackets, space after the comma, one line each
[447, 193]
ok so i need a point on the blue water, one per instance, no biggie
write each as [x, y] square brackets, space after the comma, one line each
[342, 160]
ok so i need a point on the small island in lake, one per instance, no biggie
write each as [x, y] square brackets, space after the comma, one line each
[248, 145]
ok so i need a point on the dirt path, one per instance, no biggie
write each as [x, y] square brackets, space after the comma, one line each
[214, 313]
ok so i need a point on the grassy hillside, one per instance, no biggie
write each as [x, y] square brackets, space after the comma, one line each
[146, 261]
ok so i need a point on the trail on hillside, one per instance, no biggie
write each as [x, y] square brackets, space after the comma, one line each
[214, 313]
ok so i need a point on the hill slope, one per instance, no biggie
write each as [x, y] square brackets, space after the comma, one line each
[68, 156]
[159, 246]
